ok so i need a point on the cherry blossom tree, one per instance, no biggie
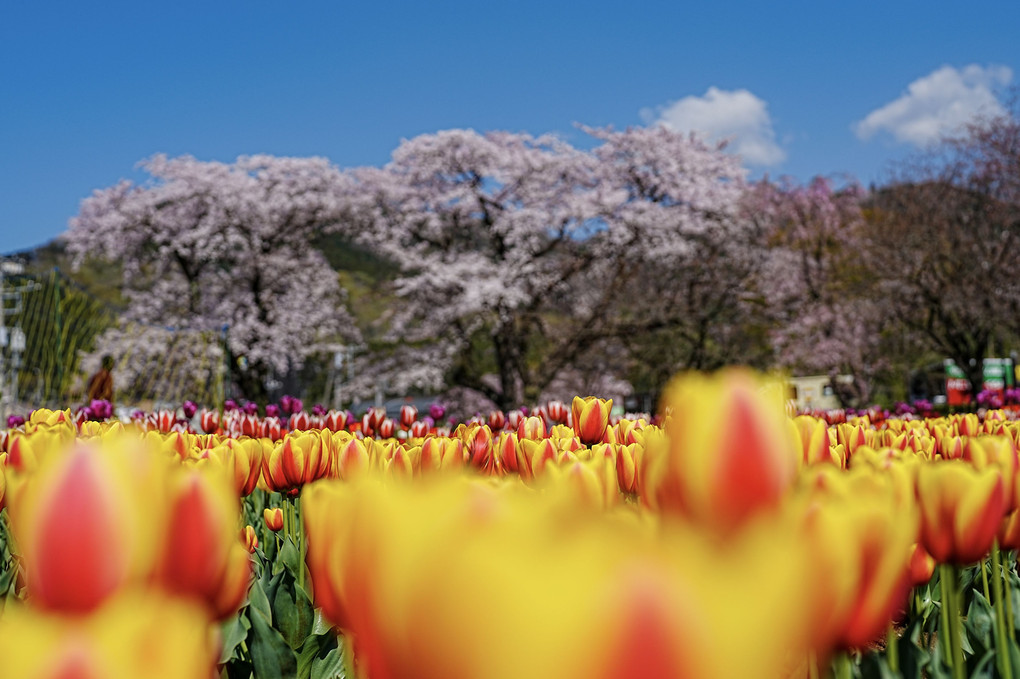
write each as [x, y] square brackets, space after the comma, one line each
[209, 245]
[691, 297]
[514, 249]
[828, 318]
[944, 235]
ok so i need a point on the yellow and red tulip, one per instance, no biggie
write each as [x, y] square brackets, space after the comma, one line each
[961, 510]
[273, 517]
[590, 418]
[730, 451]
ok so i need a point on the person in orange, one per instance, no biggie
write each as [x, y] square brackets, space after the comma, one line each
[100, 385]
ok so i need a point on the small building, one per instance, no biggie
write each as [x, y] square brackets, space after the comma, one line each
[814, 392]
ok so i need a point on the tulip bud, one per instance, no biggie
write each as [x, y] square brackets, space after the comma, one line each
[250, 539]
[351, 459]
[531, 428]
[497, 420]
[557, 411]
[408, 415]
[335, 420]
[590, 417]
[273, 517]
[299, 421]
[209, 421]
[921, 566]
[386, 428]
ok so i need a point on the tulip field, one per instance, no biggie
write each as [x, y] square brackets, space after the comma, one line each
[723, 538]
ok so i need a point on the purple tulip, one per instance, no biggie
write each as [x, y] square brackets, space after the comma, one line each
[251, 408]
[15, 421]
[319, 410]
[189, 408]
[287, 403]
[437, 410]
[229, 404]
[273, 410]
[101, 410]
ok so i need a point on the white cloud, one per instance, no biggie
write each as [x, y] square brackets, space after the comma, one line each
[737, 116]
[938, 104]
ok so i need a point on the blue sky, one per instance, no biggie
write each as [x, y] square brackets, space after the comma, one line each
[89, 89]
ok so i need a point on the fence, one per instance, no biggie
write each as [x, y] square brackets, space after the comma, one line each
[53, 333]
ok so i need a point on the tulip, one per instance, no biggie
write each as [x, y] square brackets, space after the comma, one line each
[505, 450]
[497, 420]
[335, 420]
[250, 539]
[386, 428]
[418, 429]
[815, 443]
[441, 453]
[351, 459]
[863, 555]
[202, 557]
[961, 509]
[408, 415]
[82, 529]
[921, 566]
[298, 460]
[299, 421]
[480, 450]
[557, 412]
[730, 453]
[531, 428]
[139, 634]
[273, 517]
[590, 417]
[209, 421]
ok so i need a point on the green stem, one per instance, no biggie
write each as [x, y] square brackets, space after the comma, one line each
[302, 542]
[944, 638]
[844, 668]
[892, 652]
[1008, 593]
[951, 609]
[1005, 666]
[984, 580]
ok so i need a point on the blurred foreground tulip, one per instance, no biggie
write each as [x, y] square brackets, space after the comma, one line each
[133, 635]
[80, 531]
[730, 451]
[396, 567]
[961, 510]
[202, 556]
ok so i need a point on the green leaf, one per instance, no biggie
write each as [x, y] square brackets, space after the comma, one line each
[321, 625]
[913, 657]
[321, 657]
[234, 631]
[270, 654]
[259, 602]
[983, 668]
[293, 613]
[289, 556]
[978, 624]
